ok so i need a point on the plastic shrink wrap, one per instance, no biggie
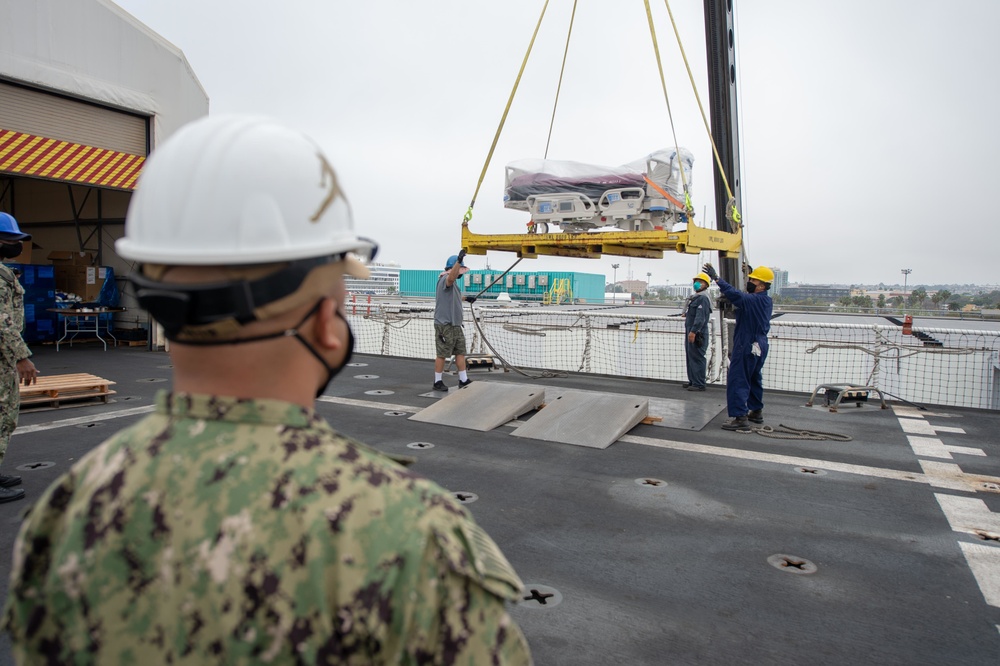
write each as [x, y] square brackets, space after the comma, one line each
[530, 177]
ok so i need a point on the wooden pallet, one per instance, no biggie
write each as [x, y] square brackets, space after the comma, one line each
[51, 390]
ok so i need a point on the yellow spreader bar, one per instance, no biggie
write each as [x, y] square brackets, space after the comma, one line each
[593, 245]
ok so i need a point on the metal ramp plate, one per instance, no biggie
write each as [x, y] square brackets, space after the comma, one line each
[694, 413]
[584, 418]
[482, 406]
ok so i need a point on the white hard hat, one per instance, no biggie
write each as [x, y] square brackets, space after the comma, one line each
[230, 190]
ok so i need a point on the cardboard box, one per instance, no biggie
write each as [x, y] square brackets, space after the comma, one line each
[71, 258]
[84, 281]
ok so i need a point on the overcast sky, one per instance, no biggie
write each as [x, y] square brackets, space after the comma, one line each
[869, 128]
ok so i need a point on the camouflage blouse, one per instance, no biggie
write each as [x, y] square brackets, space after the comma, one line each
[12, 347]
[220, 530]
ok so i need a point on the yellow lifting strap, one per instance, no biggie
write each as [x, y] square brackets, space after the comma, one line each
[734, 214]
[503, 119]
[666, 97]
[562, 70]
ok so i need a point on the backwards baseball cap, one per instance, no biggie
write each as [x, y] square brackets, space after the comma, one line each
[452, 260]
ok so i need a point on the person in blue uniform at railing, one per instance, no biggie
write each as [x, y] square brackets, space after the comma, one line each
[745, 381]
[697, 313]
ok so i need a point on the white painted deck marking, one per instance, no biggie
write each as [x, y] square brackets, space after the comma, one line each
[985, 564]
[933, 447]
[968, 514]
[914, 413]
[62, 423]
[964, 514]
[922, 427]
[946, 475]
[351, 402]
[120, 413]
[935, 474]
[794, 461]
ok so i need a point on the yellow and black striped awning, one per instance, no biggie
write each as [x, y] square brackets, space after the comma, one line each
[39, 157]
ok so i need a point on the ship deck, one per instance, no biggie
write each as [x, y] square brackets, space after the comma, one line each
[680, 542]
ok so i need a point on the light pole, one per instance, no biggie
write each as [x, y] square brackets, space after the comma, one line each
[906, 273]
[649, 278]
[614, 285]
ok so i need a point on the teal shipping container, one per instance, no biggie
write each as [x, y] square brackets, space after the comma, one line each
[533, 286]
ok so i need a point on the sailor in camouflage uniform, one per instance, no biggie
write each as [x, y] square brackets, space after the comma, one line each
[234, 525]
[15, 365]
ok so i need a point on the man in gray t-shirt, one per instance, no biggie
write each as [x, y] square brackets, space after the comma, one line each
[448, 336]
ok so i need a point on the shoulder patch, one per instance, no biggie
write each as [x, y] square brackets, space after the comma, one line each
[471, 552]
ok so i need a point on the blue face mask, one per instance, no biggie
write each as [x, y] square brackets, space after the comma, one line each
[697, 285]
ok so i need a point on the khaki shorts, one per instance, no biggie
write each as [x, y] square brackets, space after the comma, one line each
[448, 340]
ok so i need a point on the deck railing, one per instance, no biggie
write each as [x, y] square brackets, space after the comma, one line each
[938, 366]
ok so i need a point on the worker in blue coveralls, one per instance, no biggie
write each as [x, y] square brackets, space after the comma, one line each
[697, 313]
[745, 381]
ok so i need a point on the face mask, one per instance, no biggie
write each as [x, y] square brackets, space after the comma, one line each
[698, 285]
[751, 287]
[11, 250]
[331, 371]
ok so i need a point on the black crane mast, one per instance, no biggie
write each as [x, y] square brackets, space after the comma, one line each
[721, 49]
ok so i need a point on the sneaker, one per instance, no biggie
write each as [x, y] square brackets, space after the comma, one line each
[737, 423]
[9, 481]
[695, 388]
[462, 384]
[756, 416]
[439, 386]
[11, 494]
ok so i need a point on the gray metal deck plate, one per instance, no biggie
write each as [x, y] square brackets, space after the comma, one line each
[694, 413]
[585, 418]
[482, 406]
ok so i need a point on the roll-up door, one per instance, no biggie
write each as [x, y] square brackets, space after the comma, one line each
[43, 114]
[56, 138]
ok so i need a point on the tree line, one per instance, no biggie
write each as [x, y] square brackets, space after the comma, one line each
[918, 299]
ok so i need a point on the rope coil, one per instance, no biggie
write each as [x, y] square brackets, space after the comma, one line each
[788, 432]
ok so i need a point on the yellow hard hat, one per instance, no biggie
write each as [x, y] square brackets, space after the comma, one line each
[763, 273]
[703, 277]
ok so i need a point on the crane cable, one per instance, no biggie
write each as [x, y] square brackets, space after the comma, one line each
[503, 119]
[688, 207]
[734, 213]
[552, 122]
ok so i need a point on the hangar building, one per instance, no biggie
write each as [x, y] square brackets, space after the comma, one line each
[86, 92]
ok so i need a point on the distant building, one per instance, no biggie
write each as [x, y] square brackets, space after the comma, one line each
[525, 286]
[384, 280]
[634, 286]
[780, 281]
[679, 291]
[817, 291]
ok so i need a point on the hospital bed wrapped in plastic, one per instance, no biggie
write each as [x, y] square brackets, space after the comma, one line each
[643, 195]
